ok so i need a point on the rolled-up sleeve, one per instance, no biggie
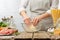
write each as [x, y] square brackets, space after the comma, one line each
[23, 5]
[54, 5]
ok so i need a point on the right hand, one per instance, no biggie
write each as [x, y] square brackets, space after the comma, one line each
[27, 21]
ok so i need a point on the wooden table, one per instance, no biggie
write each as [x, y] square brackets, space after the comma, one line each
[33, 36]
[24, 35]
[42, 35]
[6, 37]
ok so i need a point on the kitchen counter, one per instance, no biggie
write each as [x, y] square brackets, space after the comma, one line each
[24, 35]
[42, 35]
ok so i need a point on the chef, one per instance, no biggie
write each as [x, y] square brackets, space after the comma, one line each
[38, 11]
[11, 8]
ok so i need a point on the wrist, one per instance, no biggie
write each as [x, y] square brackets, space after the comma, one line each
[23, 14]
[26, 17]
[40, 17]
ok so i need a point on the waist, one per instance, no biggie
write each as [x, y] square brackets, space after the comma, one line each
[39, 12]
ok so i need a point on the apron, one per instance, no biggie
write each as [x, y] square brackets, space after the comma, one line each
[39, 7]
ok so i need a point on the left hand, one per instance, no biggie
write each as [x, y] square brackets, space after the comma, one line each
[27, 21]
[36, 20]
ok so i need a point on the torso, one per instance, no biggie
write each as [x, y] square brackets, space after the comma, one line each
[40, 5]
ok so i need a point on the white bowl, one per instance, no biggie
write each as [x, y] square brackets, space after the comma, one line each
[30, 28]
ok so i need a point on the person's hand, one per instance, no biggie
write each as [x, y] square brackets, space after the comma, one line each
[36, 20]
[27, 21]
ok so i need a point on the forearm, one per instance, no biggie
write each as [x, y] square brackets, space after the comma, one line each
[45, 15]
[23, 14]
[26, 18]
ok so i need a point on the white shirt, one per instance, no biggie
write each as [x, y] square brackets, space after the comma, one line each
[59, 5]
[24, 4]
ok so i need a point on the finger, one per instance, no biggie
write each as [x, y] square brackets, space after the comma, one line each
[34, 21]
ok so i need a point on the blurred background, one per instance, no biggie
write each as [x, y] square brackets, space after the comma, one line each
[11, 8]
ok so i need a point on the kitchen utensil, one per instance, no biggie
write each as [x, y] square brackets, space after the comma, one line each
[30, 28]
